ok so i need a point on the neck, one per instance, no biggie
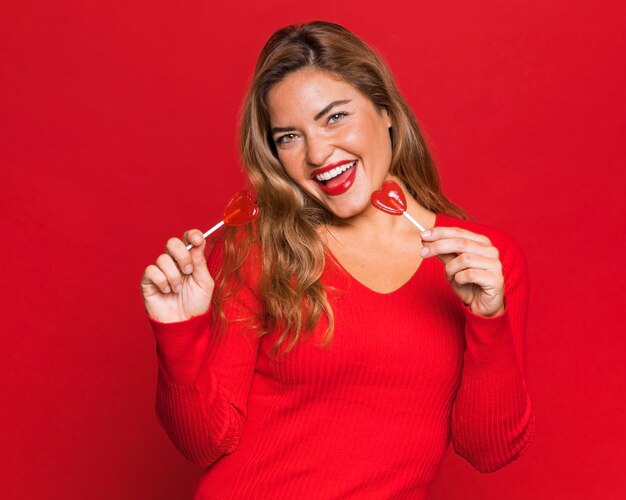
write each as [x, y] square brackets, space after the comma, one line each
[373, 227]
[375, 223]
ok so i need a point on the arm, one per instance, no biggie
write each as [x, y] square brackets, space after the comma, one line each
[204, 377]
[493, 421]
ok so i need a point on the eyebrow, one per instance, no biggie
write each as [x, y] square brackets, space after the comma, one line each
[316, 117]
[329, 107]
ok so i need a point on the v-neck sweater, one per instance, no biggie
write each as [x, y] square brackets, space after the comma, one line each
[371, 415]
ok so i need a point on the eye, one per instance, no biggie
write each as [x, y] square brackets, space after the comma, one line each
[284, 138]
[337, 116]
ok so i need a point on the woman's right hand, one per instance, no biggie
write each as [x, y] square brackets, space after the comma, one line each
[179, 285]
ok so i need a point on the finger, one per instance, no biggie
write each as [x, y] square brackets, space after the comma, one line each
[193, 236]
[200, 269]
[458, 245]
[439, 232]
[154, 280]
[168, 267]
[487, 280]
[446, 257]
[178, 250]
[198, 258]
[471, 261]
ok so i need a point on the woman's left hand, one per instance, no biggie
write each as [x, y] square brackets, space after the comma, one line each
[472, 266]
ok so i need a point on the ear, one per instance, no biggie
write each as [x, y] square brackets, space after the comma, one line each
[387, 117]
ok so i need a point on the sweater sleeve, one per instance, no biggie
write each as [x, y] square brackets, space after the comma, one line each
[493, 420]
[204, 376]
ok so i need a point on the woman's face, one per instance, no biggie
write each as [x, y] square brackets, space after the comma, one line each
[331, 139]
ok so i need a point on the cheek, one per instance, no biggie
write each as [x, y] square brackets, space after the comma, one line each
[355, 139]
[291, 166]
[368, 136]
[352, 137]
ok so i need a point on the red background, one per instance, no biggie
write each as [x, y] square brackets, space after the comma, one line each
[118, 130]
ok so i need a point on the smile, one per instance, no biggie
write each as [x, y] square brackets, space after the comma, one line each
[336, 180]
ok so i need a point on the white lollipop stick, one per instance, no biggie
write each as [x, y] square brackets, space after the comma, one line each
[212, 230]
[413, 221]
[404, 212]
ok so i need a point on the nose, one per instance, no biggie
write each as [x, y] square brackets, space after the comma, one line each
[318, 149]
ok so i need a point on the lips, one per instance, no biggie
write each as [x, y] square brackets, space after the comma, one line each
[337, 178]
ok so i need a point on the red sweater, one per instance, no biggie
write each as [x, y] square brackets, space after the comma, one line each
[371, 416]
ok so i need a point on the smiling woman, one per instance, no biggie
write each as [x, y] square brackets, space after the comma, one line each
[345, 149]
[332, 353]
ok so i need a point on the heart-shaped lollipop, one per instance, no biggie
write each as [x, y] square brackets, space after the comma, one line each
[240, 210]
[391, 200]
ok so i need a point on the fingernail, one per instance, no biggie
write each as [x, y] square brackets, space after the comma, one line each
[179, 287]
[424, 251]
[426, 233]
[167, 289]
[197, 239]
[188, 268]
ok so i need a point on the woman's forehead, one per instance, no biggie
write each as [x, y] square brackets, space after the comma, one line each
[308, 90]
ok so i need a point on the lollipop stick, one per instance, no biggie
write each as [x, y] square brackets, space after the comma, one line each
[404, 212]
[212, 230]
[415, 223]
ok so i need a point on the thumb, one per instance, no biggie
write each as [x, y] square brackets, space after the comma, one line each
[200, 269]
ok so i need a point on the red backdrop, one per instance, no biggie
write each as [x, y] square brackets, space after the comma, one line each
[118, 130]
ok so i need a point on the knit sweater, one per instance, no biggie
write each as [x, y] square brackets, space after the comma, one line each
[370, 416]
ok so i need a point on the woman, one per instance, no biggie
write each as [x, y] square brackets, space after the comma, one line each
[344, 350]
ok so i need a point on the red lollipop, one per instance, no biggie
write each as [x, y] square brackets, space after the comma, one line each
[391, 200]
[240, 210]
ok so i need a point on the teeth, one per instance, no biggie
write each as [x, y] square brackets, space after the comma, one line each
[335, 172]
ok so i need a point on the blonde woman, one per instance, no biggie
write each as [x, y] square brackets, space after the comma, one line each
[330, 350]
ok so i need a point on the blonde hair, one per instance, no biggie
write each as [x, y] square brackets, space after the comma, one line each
[291, 250]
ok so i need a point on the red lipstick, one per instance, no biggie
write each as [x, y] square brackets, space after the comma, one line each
[327, 168]
[339, 184]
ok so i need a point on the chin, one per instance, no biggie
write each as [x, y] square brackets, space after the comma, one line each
[345, 206]
[349, 210]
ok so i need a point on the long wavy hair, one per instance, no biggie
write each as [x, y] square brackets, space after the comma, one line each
[290, 248]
